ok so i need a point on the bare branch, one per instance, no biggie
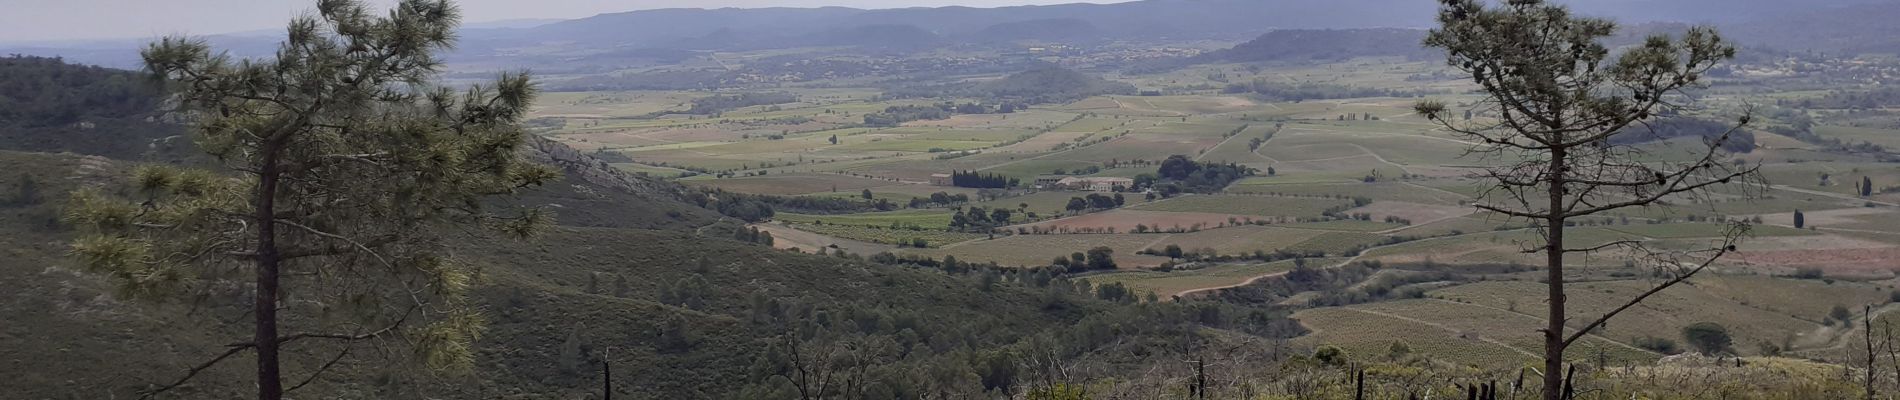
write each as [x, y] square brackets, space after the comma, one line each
[1680, 277]
[320, 370]
[193, 372]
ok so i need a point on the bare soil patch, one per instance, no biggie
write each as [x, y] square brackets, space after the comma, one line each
[784, 237]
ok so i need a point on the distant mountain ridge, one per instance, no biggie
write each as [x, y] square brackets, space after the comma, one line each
[1326, 45]
[1790, 25]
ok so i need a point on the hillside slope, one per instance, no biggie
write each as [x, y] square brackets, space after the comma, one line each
[638, 271]
[612, 275]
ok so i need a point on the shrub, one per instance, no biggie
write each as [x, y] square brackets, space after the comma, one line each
[1808, 273]
[1330, 355]
[1398, 350]
[1659, 345]
[1708, 337]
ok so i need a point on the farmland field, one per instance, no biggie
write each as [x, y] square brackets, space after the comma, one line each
[886, 235]
[796, 184]
[1378, 191]
[1167, 284]
[1460, 334]
[1321, 161]
[953, 199]
[1336, 243]
[1755, 308]
[1493, 335]
[1326, 174]
[1248, 205]
[1133, 220]
[1242, 239]
[1346, 225]
[1038, 250]
[1701, 230]
[922, 218]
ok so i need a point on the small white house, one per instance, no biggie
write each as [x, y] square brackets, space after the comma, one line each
[1096, 184]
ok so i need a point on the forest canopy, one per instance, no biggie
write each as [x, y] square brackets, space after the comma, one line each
[43, 91]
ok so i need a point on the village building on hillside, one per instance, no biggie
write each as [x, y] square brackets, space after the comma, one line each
[1049, 181]
[1094, 184]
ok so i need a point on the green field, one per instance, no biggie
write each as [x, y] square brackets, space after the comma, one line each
[1241, 239]
[1671, 231]
[796, 184]
[885, 235]
[921, 218]
[1889, 138]
[1336, 243]
[917, 145]
[1391, 191]
[1166, 284]
[1039, 250]
[1346, 225]
[1247, 205]
[1046, 203]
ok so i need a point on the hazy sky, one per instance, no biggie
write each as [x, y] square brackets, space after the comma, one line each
[37, 20]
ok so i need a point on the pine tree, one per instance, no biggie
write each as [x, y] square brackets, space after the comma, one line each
[1561, 96]
[340, 160]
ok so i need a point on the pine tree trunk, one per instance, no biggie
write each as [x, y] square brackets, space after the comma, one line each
[269, 384]
[1554, 332]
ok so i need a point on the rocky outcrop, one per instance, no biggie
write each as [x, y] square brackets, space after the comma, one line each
[585, 168]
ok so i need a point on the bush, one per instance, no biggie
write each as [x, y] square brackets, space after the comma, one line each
[1708, 337]
[1330, 355]
[1840, 313]
[1398, 350]
[1808, 273]
[1659, 345]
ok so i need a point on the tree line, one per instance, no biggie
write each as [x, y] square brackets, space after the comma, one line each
[973, 179]
[47, 91]
[1180, 174]
[718, 104]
